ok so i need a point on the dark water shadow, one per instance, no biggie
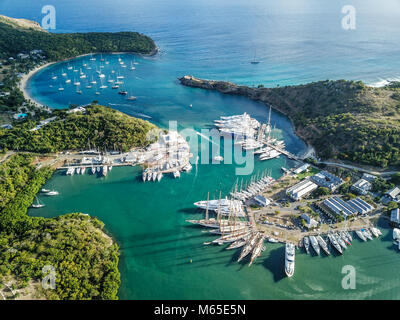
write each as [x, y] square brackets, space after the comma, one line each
[276, 263]
[190, 210]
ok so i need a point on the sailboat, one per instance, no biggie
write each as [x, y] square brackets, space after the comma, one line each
[254, 60]
[131, 98]
[132, 66]
[37, 204]
[78, 91]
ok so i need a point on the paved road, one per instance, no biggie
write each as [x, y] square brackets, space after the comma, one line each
[347, 166]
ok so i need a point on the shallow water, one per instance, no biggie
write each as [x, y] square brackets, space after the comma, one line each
[297, 42]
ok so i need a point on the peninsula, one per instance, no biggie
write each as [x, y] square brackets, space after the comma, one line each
[75, 246]
[342, 120]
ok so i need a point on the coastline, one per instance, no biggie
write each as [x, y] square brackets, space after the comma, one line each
[26, 77]
[24, 81]
[256, 94]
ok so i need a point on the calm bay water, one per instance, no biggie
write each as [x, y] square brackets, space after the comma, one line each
[297, 42]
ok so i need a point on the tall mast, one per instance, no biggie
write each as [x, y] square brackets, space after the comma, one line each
[208, 198]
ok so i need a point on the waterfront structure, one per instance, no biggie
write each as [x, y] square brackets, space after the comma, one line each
[368, 177]
[361, 187]
[392, 195]
[262, 201]
[327, 180]
[395, 217]
[301, 189]
[336, 206]
[301, 169]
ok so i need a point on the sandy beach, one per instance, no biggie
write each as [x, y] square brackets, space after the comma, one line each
[24, 80]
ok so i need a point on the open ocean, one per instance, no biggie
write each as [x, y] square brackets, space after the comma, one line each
[297, 41]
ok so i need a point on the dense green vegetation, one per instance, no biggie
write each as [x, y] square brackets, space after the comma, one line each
[15, 39]
[342, 119]
[100, 126]
[84, 258]
[345, 120]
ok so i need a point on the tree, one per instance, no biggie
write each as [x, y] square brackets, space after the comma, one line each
[322, 191]
[395, 178]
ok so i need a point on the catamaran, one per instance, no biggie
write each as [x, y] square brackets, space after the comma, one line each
[289, 259]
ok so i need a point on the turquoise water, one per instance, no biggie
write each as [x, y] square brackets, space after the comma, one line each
[297, 41]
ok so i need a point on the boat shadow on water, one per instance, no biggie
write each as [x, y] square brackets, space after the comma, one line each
[275, 262]
[191, 211]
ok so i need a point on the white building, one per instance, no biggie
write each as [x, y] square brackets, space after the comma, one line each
[301, 169]
[395, 217]
[262, 201]
[300, 190]
[327, 180]
[362, 187]
[77, 109]
[392, 195]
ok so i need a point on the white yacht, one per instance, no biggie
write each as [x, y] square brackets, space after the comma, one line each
[323, 244]
[340, 240]
[105, 170]
[306, 243]
[314, 244]
[159, 176]
[375, 232]
[272, 154]
[177, 174]
[367, 234]
[224, 205]
[52, 193]
[334, 243]
[396, 234]
[289, 259]
[361, 235]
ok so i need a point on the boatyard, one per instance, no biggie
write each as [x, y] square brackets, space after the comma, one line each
[257, 210]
